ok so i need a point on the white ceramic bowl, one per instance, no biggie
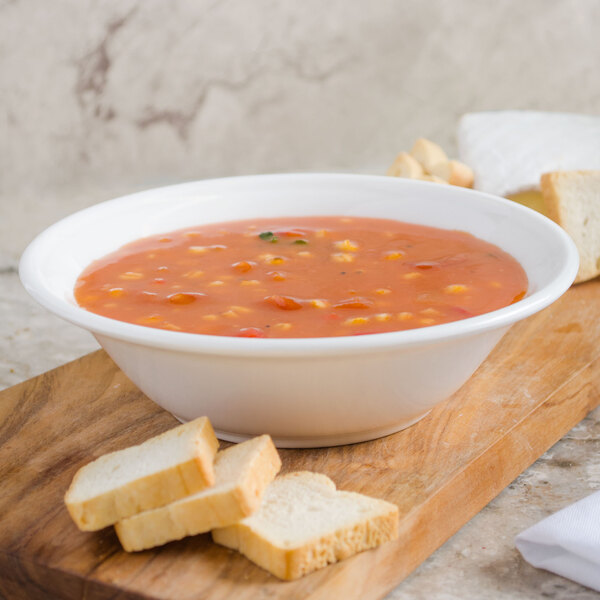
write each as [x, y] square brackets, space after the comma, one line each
[313, 391]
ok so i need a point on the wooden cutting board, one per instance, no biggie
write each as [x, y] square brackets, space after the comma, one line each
[539, 382]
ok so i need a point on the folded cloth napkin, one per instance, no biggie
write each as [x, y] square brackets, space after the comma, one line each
[567, 542]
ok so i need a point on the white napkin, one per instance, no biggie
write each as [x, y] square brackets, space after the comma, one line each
[567, 542]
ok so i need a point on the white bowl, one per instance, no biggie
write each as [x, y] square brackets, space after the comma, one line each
[313, 391]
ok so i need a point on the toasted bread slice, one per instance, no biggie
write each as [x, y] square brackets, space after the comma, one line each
[303, 524]
[242, 473]
[162, 469]
[572, 200]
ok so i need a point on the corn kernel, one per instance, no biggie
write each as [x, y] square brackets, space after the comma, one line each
[230, 314]
[198, 249]
[210, 317]
[412, 275]
[116, 292]
[131, 275]
[250, 282]
[455, 288]
[383, 317]
[405, 316]
[319, 303]
[305, 254]
[193, 274]
[383, 291]
[431, 312]
[283, 326]
[346, 246]
[240, 309]
[393, 255]
[216, 283]
[343, 257]
[243, 266]
[278, 260]
[276, 276]
[427, 321]
[356, 321]
[149, 319]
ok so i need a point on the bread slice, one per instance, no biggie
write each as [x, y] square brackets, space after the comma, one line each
[162, 469]
[572, 200]
[303, 524]
[242, 474]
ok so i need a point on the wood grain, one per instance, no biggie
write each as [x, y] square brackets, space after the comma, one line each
[539, 382]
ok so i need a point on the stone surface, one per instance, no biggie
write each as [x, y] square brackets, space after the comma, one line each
[102, 99]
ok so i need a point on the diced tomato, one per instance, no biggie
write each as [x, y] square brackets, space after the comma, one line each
[243, 266]
[291, 233]
[251, 332]
[284, 302]
[357, 302]
[463, 312]
[184, 297]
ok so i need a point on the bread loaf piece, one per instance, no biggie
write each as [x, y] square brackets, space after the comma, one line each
[304, 524]
[428, 154]
[454, 172]
[162, 469]
[406, 166]
[572, 199]
[242, 473]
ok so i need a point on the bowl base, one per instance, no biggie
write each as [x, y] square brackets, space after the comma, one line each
[319, 441]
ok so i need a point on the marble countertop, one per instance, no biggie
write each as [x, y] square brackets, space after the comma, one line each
[480, 561]
[100, 99]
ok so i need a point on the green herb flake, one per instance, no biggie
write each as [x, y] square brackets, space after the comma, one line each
[268, 236]
[300, 242]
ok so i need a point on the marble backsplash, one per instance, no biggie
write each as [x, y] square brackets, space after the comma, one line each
[102, 98]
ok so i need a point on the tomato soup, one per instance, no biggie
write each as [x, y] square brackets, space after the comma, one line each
[301, 277]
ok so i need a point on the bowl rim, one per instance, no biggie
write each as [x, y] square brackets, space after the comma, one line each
[297, 347]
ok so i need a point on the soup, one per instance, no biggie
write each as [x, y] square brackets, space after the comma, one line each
[298, 277]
